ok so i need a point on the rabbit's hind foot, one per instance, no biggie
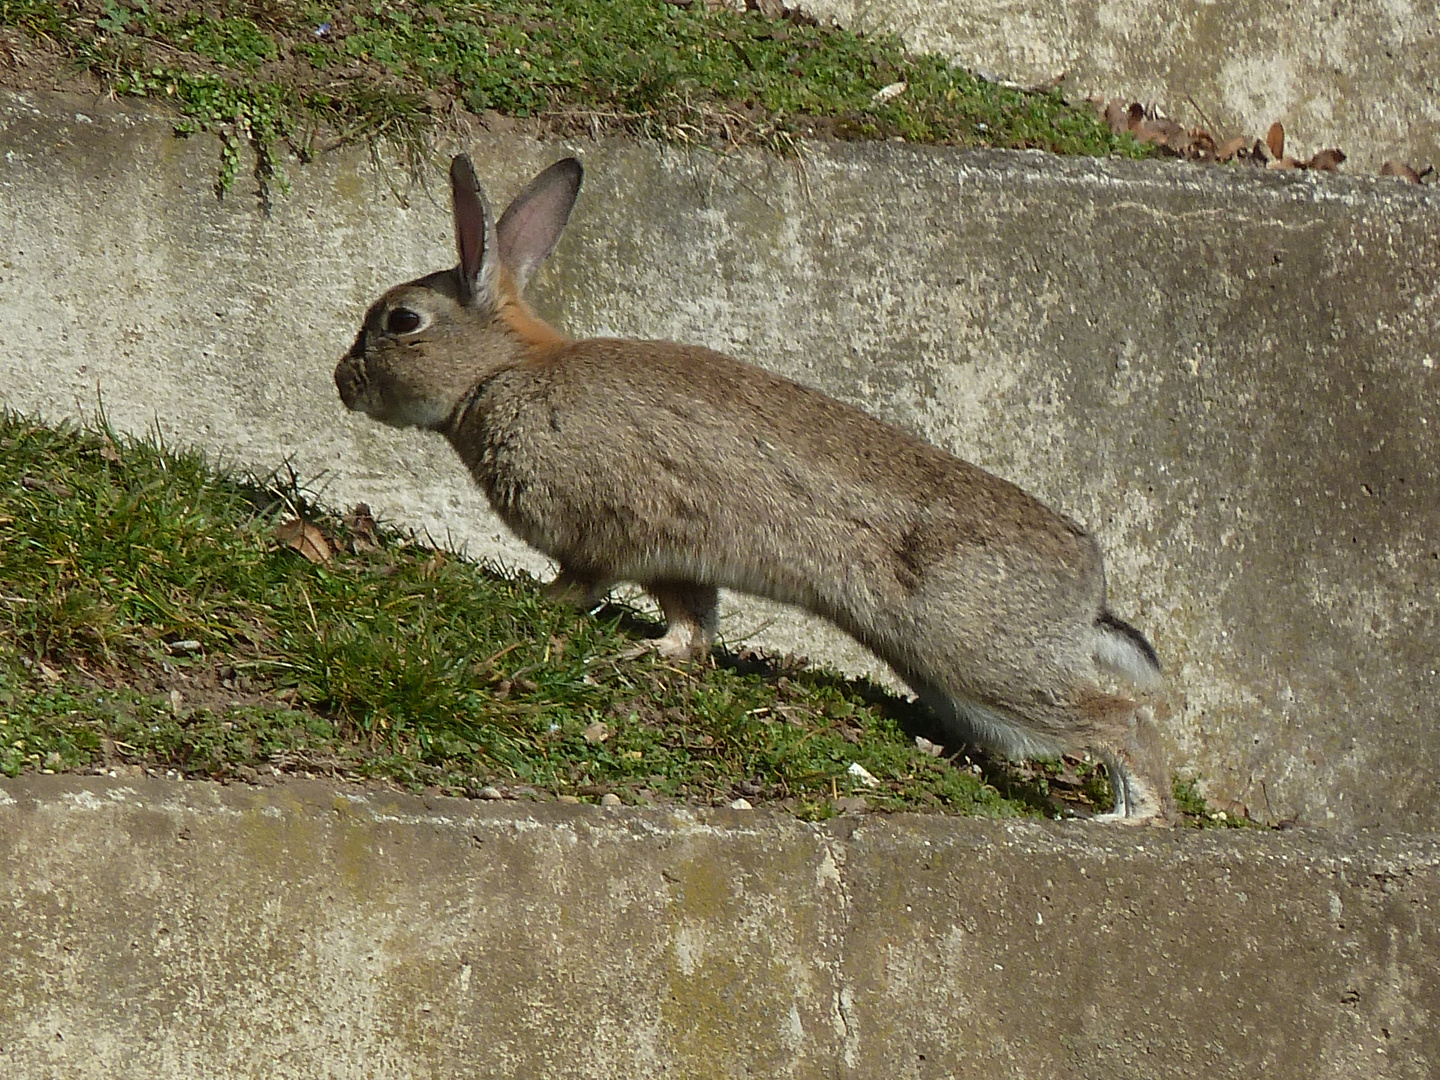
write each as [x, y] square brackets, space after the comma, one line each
[692, 617]
[1137, 802]
[1138, 774]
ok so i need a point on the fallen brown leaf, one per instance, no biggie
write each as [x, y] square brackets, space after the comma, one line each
[1401, 170]
[36, 483]
[1232, 148]
[306, 539]
[1151, 126]
[1329, 160]
[363, 533]
[1116, 114]
[1159, 129]
[1275, 140]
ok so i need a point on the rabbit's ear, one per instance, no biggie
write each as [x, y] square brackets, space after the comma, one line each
[474, 231]
[531, 226]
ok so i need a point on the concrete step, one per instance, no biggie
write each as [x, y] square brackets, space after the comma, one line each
[1357, 76]
[186, 931]
[1229, 377]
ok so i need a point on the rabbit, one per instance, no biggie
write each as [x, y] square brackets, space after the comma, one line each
[687, 471]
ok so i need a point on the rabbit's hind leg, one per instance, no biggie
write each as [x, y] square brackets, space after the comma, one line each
[1125, 735]
[692, 617]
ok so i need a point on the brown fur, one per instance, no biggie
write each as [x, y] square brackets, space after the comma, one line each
[687, 471]
[534, 334]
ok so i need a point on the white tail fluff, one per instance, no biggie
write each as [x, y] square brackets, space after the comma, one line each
[1122, 649]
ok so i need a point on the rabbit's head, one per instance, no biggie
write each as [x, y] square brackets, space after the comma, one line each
[426, 344]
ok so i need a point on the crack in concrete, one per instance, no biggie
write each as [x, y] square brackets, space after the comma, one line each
[832, 872]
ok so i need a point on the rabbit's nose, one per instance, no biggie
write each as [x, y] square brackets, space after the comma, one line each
[348, 382]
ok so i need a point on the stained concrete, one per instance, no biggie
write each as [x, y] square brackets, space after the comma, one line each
[1364, 77]
[186, 931]
[1230, 378]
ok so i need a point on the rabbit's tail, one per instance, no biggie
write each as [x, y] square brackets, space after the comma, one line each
[1120, 648]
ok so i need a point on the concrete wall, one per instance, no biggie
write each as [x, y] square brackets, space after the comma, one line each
[1360, 76]
[188, 932]
[1231, 378]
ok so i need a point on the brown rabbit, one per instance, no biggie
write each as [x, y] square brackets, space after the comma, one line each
[687, 471]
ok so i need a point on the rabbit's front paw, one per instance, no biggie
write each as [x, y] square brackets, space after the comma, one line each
[578, 590]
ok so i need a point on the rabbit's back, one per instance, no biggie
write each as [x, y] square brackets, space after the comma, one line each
[646, 460]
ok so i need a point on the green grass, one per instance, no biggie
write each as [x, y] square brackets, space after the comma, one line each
[156, 617]
[152, 618]
[304, 74]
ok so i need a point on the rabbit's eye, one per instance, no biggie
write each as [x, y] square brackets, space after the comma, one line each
[403, 321]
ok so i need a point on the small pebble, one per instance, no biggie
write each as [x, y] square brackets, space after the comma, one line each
[488, 792]
[570, 800]
[859, 772]
[610, 799]
[740, 804]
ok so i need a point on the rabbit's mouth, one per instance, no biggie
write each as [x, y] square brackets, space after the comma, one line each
[350, 382]
[350, 374]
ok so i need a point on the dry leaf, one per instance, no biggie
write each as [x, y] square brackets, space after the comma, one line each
[35, 483]
[363, 533]
[1150, 125]
[1275, 140]
[597, 732]
[1401, 170]
[304, 538]
[1232, 148]
[1197, 144]
[108, 452]
[1117, 115]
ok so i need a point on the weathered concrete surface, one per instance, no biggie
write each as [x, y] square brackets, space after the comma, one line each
[1361, 76]
[1231, 379]
[162, 930]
